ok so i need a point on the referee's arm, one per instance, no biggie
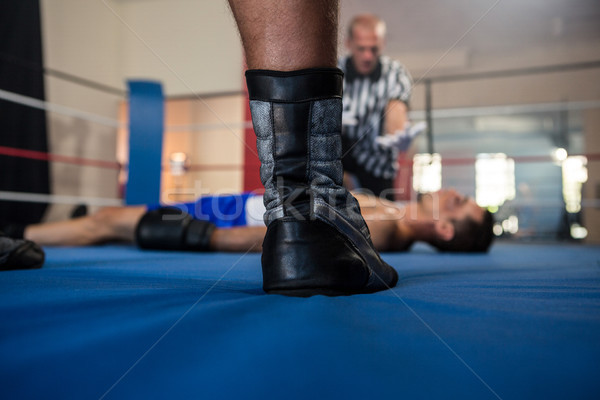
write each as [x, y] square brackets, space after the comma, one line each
[395, 116]
[399, 88]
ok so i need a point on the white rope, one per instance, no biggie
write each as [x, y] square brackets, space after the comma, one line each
[506, 110]
[60, 199]
[541, 203]
[208, 127]
[84, 115]
[414, 115]
[59, 109]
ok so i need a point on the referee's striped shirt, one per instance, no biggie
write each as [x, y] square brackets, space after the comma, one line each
[365, 99]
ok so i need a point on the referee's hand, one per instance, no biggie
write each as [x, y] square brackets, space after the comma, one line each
[402, 139]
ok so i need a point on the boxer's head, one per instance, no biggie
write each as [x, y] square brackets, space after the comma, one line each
[461, 225]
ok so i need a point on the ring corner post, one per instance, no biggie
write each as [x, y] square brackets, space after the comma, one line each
[146, 127]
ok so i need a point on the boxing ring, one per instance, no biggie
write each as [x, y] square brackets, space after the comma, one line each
[112, 321]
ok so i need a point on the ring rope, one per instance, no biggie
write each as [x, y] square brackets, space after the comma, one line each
[506, 110]
[87, 116]
[59, 109]
[414, 115]
[59, 199]
[111, 202]
[65, 76]
[39, 155]
[208, 127]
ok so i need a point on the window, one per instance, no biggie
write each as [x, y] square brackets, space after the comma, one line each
[574, 174]
[427, 173]
[494, 179]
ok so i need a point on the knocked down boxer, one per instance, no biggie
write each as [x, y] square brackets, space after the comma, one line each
[446, 220]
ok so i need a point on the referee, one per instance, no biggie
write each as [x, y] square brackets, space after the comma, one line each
[376, 95]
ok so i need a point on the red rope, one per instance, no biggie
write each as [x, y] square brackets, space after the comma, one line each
[39, 155]
[217, 167]
[517, 159]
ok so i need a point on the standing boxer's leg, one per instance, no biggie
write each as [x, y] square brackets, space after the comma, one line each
[316, 242]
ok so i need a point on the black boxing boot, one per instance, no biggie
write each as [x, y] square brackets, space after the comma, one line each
[169, 228]
[19, 254]
[317, 241]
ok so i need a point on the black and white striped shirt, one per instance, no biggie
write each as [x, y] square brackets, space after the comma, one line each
[365, 99]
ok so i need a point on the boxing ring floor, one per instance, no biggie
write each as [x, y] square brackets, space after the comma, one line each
[114, 322]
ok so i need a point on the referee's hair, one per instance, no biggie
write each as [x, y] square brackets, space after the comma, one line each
[369, 21]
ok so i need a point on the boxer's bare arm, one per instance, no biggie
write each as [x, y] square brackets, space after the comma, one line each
[107, 224]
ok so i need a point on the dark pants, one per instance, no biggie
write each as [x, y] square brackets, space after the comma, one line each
[378, 186]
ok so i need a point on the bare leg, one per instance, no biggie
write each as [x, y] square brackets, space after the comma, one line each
[111, 223]
[287, 35]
